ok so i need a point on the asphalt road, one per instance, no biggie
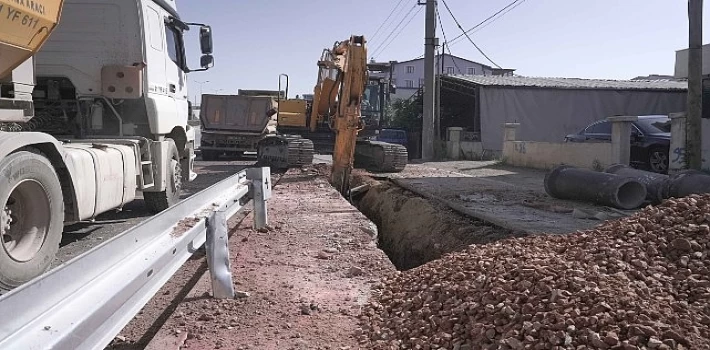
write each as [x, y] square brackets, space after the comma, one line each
[82, 237]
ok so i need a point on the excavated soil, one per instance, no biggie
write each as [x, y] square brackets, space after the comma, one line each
[414, 230]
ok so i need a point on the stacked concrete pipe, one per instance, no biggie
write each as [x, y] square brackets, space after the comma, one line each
[657, 185]
[660, 187]
[567, 182]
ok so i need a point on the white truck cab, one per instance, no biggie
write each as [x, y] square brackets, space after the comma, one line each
[108, 102]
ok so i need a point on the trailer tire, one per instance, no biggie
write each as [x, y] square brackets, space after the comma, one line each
[28, 243]
[159, 201]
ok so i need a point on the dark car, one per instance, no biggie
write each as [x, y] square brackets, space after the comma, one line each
[650, 140]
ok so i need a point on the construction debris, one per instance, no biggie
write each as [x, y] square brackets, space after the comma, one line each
[640, 282]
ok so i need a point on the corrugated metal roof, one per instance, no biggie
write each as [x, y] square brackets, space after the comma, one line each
[573, 83]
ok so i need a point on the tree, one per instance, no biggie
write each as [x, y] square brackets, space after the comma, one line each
[406, 114]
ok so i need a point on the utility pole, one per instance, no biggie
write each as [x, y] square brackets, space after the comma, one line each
[437, 114]
[693, 148]
[430, 44]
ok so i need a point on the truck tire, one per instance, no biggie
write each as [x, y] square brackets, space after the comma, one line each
[31, 217]
[159, 201]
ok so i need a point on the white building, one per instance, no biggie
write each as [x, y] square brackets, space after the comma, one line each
[408, 76]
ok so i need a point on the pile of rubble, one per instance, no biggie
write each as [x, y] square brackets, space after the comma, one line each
[637, 283]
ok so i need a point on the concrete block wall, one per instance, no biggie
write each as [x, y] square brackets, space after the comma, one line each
[678, 139]
[546, 155]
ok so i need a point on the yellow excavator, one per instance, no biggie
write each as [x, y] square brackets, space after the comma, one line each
[332, 119]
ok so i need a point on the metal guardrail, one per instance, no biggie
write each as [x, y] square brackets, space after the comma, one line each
[86, 302]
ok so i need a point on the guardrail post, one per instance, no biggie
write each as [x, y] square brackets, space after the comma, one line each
[217, 246]
[261, 192]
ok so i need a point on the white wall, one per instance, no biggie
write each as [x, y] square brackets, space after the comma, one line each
[546, 155]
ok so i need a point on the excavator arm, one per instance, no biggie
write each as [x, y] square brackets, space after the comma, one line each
[337, 98]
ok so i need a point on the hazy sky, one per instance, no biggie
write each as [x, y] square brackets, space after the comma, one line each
[255, 41]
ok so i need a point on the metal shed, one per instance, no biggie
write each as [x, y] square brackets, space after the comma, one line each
[550, 108]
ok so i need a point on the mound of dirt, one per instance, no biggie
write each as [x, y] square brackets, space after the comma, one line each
[637, 283]
[413, 230]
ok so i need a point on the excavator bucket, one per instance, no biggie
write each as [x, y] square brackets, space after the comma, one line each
[24, 27]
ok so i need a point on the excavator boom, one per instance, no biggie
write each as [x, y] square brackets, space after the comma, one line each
[351, 59]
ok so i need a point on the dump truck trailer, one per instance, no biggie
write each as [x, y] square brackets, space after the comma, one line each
[235, 124]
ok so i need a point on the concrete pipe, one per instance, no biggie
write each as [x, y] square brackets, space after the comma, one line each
[567, 182]
[657, 185]
[689, 182]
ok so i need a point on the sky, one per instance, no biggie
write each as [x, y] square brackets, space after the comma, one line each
[255, 41]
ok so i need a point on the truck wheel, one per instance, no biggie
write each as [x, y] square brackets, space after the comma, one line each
[31, 217]
[159, 201]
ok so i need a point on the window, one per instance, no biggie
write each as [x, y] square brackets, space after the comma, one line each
[600, 128]
[449, 70]
[410, 69]
[471, 71]
[409, 83]
[173, 39]
[421, 82]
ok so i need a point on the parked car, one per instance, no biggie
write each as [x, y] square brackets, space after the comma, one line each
[397, 136]
[650, 140]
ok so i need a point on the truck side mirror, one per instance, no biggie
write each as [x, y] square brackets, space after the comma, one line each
[207, 61]
[206, 40]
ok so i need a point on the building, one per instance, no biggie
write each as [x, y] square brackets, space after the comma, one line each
[550, 108]
[408, 76]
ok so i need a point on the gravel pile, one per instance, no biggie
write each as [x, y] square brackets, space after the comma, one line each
[637, 283]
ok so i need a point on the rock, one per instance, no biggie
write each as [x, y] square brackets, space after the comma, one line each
[331, 250]
[120, 338]
[354, 271]
[323, 255]
[682, 244]
[205, 317]
[240, 294]
[654, 343]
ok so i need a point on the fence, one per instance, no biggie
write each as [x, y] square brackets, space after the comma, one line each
[85, 303]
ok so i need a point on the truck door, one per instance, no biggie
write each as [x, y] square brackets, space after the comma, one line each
[175, 67]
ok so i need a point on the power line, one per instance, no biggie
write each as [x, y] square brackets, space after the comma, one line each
[485, 21]
[379, 51]
[395, 28]
[467, 36]
[386, 19]
[481, 25]
[444, 47]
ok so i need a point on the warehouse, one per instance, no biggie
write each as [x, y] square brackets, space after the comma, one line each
[550, 108]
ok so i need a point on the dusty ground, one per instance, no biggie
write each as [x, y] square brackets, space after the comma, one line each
[138, 333]
[511, 197]
[302, 285]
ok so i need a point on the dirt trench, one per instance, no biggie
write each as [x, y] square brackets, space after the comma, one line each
[413, 230]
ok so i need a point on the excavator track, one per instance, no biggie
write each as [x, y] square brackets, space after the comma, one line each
[383, 157]
[285, 151]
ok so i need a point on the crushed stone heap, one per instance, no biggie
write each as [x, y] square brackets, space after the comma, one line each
[636, 283]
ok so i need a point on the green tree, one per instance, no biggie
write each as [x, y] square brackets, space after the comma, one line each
[406, 114]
